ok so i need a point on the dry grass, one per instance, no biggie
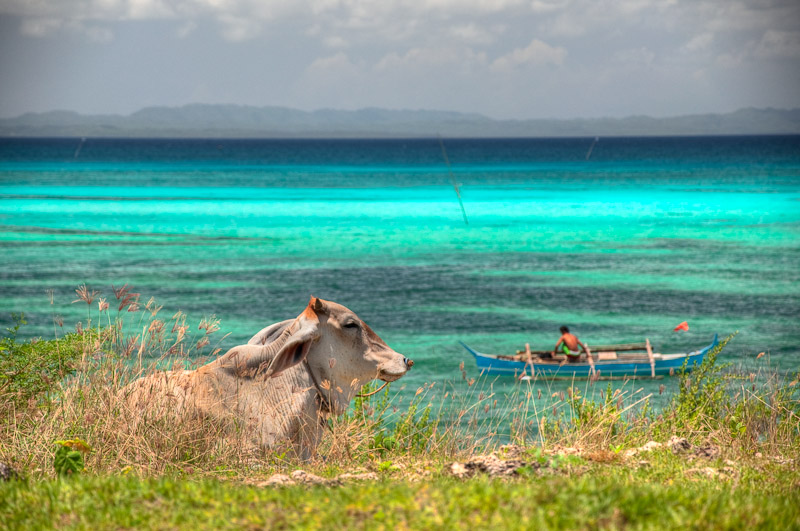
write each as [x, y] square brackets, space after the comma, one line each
[91, 407]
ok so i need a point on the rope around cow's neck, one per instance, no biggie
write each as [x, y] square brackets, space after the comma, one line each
[365, 395]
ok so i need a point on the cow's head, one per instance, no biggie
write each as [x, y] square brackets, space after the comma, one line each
[342, 351]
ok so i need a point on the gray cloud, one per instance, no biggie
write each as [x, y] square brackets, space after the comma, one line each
[506, 58]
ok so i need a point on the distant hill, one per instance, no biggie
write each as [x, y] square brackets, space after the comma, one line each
[238, 121]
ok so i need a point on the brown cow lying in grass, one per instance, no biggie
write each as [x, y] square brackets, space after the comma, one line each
[282, 385]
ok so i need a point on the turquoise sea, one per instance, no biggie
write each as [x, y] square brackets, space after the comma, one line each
[622, 245]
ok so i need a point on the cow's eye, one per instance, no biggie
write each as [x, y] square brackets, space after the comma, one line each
[351, 324]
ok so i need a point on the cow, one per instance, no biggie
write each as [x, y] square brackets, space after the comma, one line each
[284, 383]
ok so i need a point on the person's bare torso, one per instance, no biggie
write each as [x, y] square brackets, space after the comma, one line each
[571, 341]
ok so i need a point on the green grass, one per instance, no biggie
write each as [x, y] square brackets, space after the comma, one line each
[581, 495]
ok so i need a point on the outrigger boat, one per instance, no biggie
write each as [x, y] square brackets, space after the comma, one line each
[631, 360]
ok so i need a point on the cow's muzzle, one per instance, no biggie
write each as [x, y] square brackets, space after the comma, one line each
[390, 374]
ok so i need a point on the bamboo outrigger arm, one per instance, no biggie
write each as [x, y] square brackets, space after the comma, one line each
[650, 357]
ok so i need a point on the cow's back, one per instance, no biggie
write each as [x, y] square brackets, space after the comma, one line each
[161, 391]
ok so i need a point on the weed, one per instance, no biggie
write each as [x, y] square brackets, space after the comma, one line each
[68, 458]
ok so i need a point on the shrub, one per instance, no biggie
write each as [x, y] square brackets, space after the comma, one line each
[702, 392]
[29, 370]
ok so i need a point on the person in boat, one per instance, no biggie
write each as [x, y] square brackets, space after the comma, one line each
[568, 344]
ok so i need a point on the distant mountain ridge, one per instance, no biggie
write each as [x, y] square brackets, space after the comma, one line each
[240, 121]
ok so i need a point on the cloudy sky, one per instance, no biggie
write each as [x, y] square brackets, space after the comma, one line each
[502, 58]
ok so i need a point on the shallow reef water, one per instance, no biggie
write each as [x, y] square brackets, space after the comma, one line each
[644, 234]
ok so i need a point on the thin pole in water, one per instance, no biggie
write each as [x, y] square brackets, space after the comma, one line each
[77, 151]
[453, 181]
[589, 153]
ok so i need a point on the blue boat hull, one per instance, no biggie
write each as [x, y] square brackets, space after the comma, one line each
[664, 365]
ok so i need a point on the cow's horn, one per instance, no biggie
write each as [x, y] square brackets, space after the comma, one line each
[319, 306]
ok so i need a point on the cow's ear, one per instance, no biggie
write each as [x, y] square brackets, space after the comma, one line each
[295, 349]
[271, 333]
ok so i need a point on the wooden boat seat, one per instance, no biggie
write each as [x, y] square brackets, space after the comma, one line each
[599, 354]
[606, 356]
[619, 347]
